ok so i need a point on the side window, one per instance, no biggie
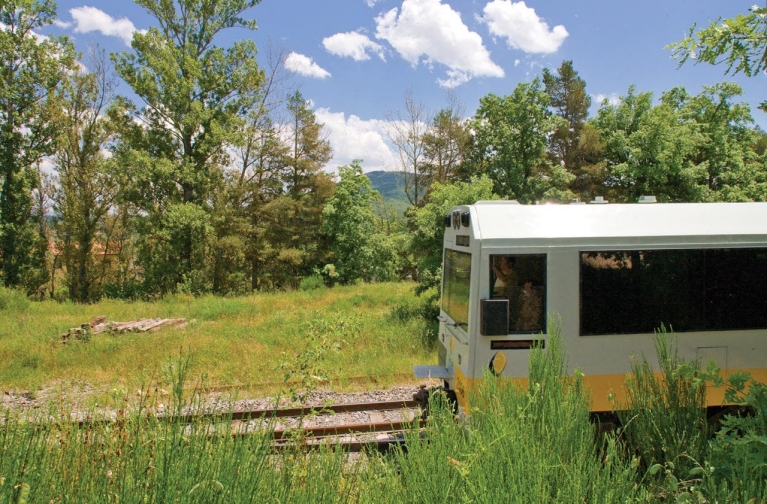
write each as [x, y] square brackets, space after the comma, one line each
[637, 291]
[521, 278]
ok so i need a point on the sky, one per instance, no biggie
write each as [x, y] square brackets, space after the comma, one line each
[356, 60]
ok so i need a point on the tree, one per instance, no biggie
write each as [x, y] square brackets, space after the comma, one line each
[291, 222]
[570, 101]
[195, 96]
[406, 131]
[428, 225]
[739, 43]
[359, 250]
[88, 185]
[446, 144]
[509, 144]
[730, 167]
[686, 148]
[31, 69]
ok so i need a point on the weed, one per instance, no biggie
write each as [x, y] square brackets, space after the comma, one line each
[665, 415]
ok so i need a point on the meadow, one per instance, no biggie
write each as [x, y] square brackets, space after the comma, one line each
[252, 345]
[536, 443]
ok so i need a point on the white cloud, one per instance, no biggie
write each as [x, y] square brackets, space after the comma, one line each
[354, 138]
[522, 27]
[353, 45]
[517, 62]
[300, 64]
[613, 99]
[372, 3]
[428, 31]
[89, 19]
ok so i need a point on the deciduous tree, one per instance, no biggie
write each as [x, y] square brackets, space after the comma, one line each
[509, 145]
[359, 250]
[195, 94]
[31, 69]
[87, 182]
[739, 43]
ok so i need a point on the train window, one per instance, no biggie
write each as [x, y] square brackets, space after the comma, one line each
[634, 292]
[521, 278]
[455, 286]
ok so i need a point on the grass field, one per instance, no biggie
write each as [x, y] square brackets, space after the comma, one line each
[254, 343]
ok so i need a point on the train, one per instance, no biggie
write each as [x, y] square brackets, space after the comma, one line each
[609, 275]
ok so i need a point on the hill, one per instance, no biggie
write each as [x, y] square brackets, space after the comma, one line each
[389, 185]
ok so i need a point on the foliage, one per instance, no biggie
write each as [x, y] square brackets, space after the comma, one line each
[13, 300]
[87, 182]
[360, 251]
[304, 371]
[686, 148]
[570, 101]
[428, 228]
[190, 114]
[739, 43]
[664, 417]
[31, 70]
[739, 451]
[446, 144]
[312, 282]
[509, 142]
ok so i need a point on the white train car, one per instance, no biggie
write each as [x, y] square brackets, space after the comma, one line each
[612, 273]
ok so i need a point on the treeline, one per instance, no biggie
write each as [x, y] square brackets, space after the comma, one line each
[215, 181]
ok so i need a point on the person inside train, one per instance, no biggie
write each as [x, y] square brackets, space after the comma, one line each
[529, 314]
[505, 275]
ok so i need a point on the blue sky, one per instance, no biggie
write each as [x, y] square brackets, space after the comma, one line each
[355, 59]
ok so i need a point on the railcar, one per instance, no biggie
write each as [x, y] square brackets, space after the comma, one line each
[611, 275]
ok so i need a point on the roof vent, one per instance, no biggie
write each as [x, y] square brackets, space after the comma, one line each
[576, 201]
[647, 199]
[599, 200]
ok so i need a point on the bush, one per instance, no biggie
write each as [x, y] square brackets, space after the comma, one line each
[312, 282]
[13, 300]
[665, 416]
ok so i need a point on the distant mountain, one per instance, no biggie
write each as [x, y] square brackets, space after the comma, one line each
[389, 185]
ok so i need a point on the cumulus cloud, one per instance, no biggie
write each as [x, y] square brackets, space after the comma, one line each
[90, 19]
[522, 27]
[354, 138]
[300, 64]
[353, 45]
[613, 99]
[428, 31]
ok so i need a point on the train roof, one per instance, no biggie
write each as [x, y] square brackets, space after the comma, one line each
[510, 220]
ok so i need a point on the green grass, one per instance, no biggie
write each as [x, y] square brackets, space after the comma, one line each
[533, 444]
[231, 341]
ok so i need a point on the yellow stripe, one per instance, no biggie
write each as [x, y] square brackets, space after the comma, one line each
[608, 391]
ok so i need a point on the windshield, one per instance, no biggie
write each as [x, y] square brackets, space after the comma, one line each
[455, 286]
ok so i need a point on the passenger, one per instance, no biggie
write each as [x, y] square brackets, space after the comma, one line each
[529, 315]
[505, 275]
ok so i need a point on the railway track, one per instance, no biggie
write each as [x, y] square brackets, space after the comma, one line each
[292, 426]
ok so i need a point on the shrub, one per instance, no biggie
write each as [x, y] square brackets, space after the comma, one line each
[665, 416]
[13, 300]
[312, 282]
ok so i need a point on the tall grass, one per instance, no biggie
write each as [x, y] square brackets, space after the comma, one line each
[141, 459]
[665, 416]
[534, 444]
[521, 444]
